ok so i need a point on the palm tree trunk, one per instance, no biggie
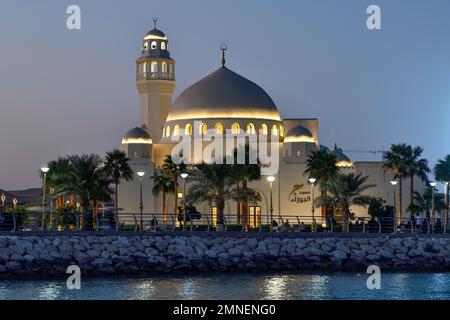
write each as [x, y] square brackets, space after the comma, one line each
[446, 205]
[220, 211]
[116, 200]
[238, 208]
[245, 208]
[400, 199]
[175, 193]
[411, 190]
[164, 206]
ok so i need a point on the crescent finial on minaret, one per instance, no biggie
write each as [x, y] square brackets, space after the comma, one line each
[155, 20]
[224, 48]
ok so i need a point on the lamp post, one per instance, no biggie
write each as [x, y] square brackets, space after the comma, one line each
[44, 171]
[394, 187]
[446, 203]
[312, 181]
[51, 191]
[433, 185]
[141, 174]
[15, 201]
[184, 176]
[271, 179]
[78, 216]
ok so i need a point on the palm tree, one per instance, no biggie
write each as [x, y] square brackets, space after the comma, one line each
[424, 202]
[344, 191]
[442, 173]
[117, 168]
[173, 170]
[416, 167]
[86, 178]
[216, 184]
[244, 173]
[56, 175]
[162, 184]
[396, 161]
[321, 165]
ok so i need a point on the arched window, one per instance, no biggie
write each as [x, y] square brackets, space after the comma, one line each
[163, 46]
[164, 67]
[154, 45]
[219, 128]
[188, 130]
[135, 154]
[250, 128]
[176, 130]
[171, 68]
[168, 132]
[235, 128]
[144, 67]
[274, 130]
[264, 129]
[145, 45]
[298, 153]
[203, 129]
[281, 131]
[154, 66]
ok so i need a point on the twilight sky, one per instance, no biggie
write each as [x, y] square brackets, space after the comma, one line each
[65, 92]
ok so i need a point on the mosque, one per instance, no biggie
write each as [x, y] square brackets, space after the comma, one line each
[225, 101]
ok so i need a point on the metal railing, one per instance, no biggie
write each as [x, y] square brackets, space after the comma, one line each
[169, 222]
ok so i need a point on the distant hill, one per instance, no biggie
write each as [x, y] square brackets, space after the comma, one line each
[30, 197]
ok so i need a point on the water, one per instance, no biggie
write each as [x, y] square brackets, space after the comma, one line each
[394, 286]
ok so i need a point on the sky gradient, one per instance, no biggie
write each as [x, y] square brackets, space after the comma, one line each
[66, 92]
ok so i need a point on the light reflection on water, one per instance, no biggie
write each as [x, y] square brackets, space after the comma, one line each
[238, 286]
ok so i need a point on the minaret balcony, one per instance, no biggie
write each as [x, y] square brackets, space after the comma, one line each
[156, 76]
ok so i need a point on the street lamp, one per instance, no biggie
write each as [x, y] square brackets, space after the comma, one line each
[3, 198]
[312, 181]
[394, 186]
[141, 174]
[433, 185]
[44, 171]
[15, 201]
[184, 176]
[271, 179]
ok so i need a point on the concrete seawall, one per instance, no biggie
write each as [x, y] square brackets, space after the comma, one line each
[50, 255]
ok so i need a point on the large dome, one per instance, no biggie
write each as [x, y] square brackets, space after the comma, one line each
[224, 94]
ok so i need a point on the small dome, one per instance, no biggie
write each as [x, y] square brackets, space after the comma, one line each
[224, 94]
[156, 33]
[137, 136]
[299, 134]
[342, 161]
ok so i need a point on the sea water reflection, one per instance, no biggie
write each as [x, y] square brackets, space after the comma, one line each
[238, 286]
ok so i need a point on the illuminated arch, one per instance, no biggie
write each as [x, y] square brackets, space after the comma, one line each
[250, 128]
[219, 128]
[163, 46]
[154, 45]
[264, 129]
[154, 66]
[203, 129]
[176, 130]
[167, 131]
[188, 130]
[164, 67]
[235, 128]
[274, 130]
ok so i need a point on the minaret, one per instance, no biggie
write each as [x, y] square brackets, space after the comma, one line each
[155, 80]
